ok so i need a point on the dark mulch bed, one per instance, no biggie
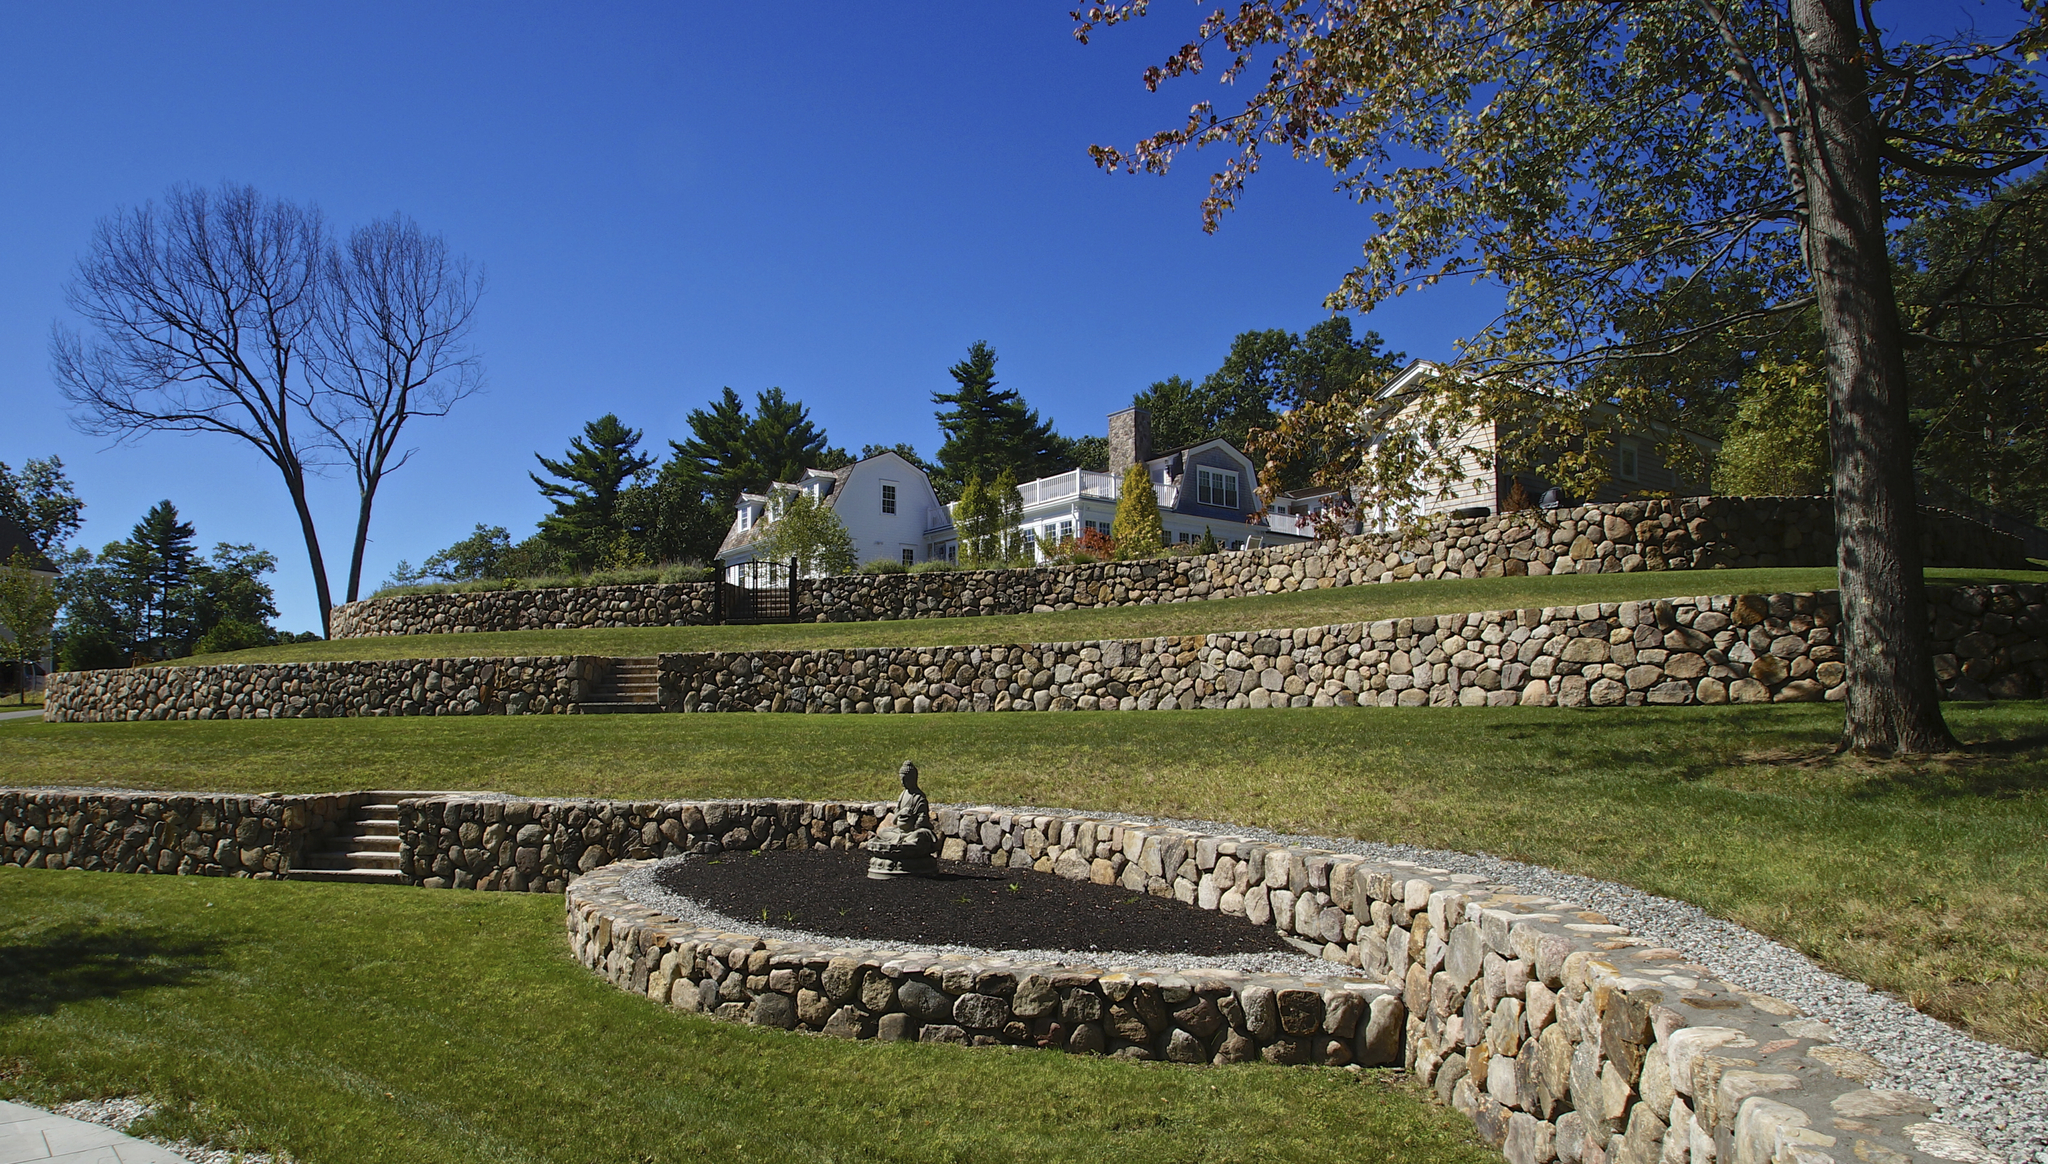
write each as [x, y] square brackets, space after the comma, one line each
[828, 892]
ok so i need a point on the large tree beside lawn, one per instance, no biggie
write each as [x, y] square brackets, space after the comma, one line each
[1585, 155]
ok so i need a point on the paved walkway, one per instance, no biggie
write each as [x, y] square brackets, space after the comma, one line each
[21, 714]
[30, 1134]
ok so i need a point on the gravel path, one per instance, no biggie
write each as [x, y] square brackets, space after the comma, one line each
[1997, 1093]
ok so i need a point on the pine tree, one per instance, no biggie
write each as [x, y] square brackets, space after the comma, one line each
[1136, 528]
[782, 442]
[600, 464]
[158, 558]
[989, 429]
[718, 450]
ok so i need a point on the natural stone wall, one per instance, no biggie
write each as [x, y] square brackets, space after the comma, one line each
[539, 846]
[513, 686]
[1677, 534]
[215, 835]
[1990, 643]
[1559, 1034]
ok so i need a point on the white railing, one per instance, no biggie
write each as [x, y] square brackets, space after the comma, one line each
[1078, 483]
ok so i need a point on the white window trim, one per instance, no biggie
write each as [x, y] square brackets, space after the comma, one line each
[1211, 481]
[891, 495]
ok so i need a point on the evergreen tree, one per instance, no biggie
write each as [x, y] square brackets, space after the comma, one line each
[989, 429]
[718, 451]
[1136, 528]
[599, 466]
[782, 442]
[158, 556]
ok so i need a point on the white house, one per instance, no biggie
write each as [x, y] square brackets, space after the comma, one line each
[1209, 487]
[1638, 467]
[885, 502]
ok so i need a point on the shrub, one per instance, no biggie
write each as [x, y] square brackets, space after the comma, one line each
[883, 566]
[934, 567]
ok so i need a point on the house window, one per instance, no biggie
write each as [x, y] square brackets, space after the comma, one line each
[1030, 537]
[1626, 468]
[1216, 487]
[746, 517]
[1066, 530]
[1052, 531]
[909, 557]
[888, 498]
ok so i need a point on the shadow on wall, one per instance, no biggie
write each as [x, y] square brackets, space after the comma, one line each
[62, 964]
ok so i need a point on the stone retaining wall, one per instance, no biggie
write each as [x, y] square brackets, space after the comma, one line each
[1559, 1034]
[514, 686]
[211, 834]
[1625, 537]
[1990, 643]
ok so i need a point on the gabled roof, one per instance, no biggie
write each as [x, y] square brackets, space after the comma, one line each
[735, 537]
[14, 538]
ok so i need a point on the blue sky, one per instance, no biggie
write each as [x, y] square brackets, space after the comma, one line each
[835, 199]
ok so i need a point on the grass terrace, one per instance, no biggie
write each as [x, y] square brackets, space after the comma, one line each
[1919, 878]
[1291, 609]
[365, 1024]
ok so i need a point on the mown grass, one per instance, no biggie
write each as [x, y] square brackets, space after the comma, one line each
[1921, 878]
[362, 1024]
[1299, 608]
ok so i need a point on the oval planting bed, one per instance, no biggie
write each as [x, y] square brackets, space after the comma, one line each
[1559, 1034]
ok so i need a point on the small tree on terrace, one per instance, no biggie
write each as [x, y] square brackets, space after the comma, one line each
[809, 534]
[978, 517]
[28, 608]
[1136, 530]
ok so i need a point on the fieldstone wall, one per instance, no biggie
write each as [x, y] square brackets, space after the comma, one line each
[1559, 1034]
[514, 686]
[1676, 534]
[208, 834]
[539, 846]
[1990, 643]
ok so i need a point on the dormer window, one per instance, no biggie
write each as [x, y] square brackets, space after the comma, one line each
[1216, 487]
[746, 516]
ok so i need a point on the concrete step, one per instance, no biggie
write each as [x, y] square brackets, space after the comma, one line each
[614, 708]
[354, 859]
[356, 876]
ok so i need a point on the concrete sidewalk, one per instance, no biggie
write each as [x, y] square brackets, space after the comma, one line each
[30, 1134]
[21, 714]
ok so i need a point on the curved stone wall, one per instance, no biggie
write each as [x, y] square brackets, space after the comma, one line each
[1559, 1034]
[1990, 643]
[1673, 534]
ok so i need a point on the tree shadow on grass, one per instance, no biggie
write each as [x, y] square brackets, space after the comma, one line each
[75, 963]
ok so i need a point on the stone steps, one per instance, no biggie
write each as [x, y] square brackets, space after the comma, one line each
[364, 850]
[631, 685]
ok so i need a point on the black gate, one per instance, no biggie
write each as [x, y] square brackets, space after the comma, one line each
[757, 592]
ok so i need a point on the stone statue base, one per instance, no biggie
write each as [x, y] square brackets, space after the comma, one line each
[886, 861]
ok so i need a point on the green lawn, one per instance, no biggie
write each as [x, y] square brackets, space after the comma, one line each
[358, 1024]
[1309, 608]
[1921, 878]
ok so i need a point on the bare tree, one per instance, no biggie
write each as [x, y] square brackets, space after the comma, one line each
[205, 309]
[394, 344]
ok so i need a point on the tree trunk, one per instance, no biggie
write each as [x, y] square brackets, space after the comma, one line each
[355, 559]
[295, 481]
[1893, 703]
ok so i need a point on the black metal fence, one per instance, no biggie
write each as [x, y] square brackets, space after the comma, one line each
[757, 592]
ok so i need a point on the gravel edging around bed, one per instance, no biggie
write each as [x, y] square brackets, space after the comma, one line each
[2000, 1094]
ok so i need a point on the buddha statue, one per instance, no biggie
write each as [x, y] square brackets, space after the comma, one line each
[907, 845]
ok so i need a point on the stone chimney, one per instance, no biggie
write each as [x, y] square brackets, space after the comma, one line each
[1130, 439]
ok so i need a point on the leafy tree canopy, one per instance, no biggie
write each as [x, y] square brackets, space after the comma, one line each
[40, 499]
[810, 534]
[1581, 156]
[153, 595]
